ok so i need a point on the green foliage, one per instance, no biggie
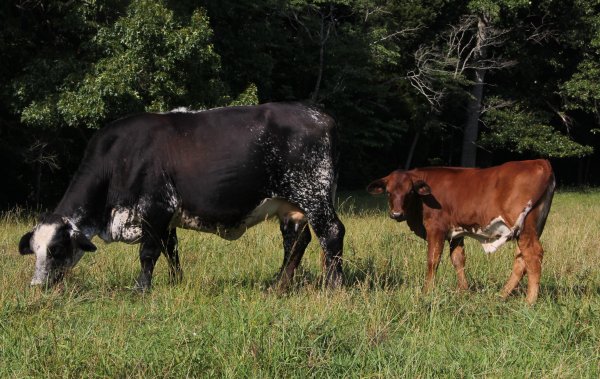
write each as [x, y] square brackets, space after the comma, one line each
[583, 89]
[521, 131]
[248, 97]
[83, 63]
[148, 60]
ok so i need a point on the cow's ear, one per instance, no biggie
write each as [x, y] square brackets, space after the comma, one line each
[24, 246]
[377, 187]
[82, 242]
[422, 188]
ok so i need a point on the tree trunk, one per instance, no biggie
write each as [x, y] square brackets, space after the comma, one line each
[469, 147]
[323, 37]
[411, 152]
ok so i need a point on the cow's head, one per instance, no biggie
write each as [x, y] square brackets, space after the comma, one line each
[400, 186]
[57, 244]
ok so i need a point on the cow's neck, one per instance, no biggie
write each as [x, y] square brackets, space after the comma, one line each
[84, 203]
[414, 215]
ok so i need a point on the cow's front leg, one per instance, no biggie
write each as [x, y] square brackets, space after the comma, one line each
[172, 255]
[435, 246]
[457, 256]
[296, 236]
[150, 250]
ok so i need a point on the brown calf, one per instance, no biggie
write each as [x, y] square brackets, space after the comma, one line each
[492, 205]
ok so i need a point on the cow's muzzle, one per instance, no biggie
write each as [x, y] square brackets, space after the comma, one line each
[47, 280]
[398, 216]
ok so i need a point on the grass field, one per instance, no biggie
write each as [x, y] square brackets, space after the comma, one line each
[223, 322]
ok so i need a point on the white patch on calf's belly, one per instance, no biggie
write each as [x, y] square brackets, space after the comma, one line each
[495, 234]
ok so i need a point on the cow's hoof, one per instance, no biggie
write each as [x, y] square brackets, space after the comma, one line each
[176, 278]
[334, 281]
[141, 287]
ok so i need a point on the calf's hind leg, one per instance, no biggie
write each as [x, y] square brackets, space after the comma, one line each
[515, 277]
[457, 256]
[532, 255]
[529, 261]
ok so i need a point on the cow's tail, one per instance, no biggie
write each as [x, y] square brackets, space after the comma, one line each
[335, 158]
[544, 204]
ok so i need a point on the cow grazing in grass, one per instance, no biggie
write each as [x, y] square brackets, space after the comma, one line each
[492, 205]
[219, 171]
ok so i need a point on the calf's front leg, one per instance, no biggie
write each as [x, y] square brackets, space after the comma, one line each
[435, 246]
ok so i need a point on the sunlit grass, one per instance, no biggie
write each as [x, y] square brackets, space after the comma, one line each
[223, 321]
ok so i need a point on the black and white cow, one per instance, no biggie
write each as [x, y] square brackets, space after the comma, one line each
[219, 171]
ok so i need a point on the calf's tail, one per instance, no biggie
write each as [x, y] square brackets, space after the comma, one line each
[544, 204]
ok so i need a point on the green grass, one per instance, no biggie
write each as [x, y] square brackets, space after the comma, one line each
[223, 322]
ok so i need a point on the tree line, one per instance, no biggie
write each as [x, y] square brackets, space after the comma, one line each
[410, 82]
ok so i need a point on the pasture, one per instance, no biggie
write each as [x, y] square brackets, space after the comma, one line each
[222, 321]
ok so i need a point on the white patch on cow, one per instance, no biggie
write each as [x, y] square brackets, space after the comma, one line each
[496, 233]
[173, 200]
[125, 223]
[123, 226]
[184, 110]
[268, 208]
[188, 110]
[317, 117]
[41, 238]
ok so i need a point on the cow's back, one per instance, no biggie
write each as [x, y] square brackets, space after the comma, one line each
[219, 163]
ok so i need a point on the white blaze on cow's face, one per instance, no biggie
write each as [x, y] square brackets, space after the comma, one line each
[58, 245]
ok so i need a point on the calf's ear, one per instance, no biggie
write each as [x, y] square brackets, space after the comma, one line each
[422, 188]
[377, 187]
[82, 242]
[24, 246]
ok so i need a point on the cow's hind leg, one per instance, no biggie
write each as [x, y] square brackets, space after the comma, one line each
[296, 236]
[457, 256]
[172, 254]
[330, 231]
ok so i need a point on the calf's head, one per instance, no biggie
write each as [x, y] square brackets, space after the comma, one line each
[57, 244]
[400, 187]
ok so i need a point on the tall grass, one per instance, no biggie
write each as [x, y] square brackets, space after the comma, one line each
[222, 321]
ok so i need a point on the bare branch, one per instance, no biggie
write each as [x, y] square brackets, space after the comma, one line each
[465, 48]
[490, 106]
[402, 32]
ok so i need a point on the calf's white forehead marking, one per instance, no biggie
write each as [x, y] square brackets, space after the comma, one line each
[496, 233]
